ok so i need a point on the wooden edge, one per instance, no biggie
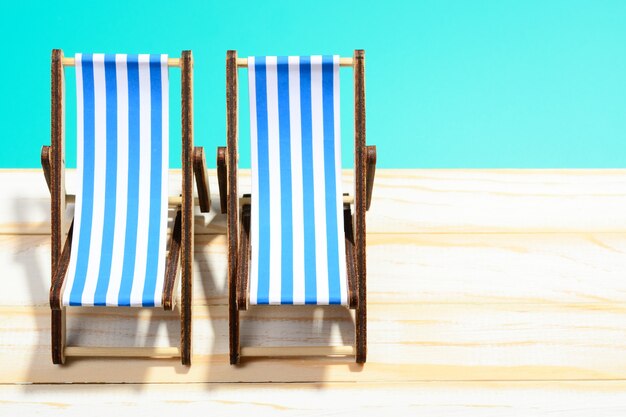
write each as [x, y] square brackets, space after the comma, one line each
[350, 261]
[202, 183]
[290, 351]
[57, 195]
[56, 160]
[171, 264]
[45, 164]
[187, 219]
[371, 172]
[121, 352]
[243, 259]
[58, 277]
[360, 203]
[232, 203]
[222, 178]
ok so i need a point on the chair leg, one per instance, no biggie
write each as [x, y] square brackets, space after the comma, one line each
[58, 336]
[233, 328]
[361, 313]
[361, 332]
[185, 315]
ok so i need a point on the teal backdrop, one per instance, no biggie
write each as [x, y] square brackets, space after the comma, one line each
[450, 84]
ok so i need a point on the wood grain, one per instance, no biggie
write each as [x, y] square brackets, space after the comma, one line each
[404, 201]
[407, 343]
[418, 268]
[443, 399]
[491, 292]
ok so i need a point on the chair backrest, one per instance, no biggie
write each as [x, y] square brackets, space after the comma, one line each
[120, 224]
[297, 232]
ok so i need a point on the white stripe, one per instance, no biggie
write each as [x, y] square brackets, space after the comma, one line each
[254, 214]
[141, 253]
[97, 221]
[274, 174]
[71, 272]
[165, 126]
[321, 258]
[343, 285]
[297, 213]
[121, 189]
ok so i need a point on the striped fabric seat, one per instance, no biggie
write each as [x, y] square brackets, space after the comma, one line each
[297, 232]
[120, 224]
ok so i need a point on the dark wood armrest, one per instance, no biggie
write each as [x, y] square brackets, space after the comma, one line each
[59, 273]
[222, 178]
[45, 163]
[371, 172]
[171, 265]
[199, 170]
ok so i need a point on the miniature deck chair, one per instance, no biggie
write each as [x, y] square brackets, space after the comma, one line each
[115, 250]
[294, 241]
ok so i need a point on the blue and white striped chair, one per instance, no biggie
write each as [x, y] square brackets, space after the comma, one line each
[296, 243]
[115, 252]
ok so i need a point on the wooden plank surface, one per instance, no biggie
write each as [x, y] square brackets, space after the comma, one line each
[405, 201]
[439, 268]
[485, 399]
[408, 343]
[491, 292]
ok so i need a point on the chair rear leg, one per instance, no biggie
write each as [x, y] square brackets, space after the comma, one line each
[58, 336]
[233, 324]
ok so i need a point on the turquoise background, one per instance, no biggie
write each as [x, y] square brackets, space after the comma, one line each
[449, 83]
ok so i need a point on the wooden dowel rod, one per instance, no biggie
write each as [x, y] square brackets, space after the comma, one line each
[283, 351]
[343, 62]
[347, 199]
[123, 352]
[171, 62]
[171, 200]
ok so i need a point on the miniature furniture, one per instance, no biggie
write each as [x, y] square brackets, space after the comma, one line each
[294, 240]
[113, 251]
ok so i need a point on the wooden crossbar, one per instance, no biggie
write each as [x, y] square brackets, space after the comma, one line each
[172, 201]
[171, 62]
[123, 352]
[347, 199]
[343, 62]
[283, 351]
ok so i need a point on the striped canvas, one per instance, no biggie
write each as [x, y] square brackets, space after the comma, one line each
[297, 237]
[120, 223]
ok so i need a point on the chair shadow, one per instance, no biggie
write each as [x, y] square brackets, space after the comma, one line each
[92, 326]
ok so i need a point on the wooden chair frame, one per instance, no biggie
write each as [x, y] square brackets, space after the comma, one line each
[181, 240]
[238, 224]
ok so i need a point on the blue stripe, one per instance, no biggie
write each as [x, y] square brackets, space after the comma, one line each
[332, 234]
[285, 182]
[308, 191]
[132, 208]
[104, 274]
[156, 172]
[84, 237]
[264, 182]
